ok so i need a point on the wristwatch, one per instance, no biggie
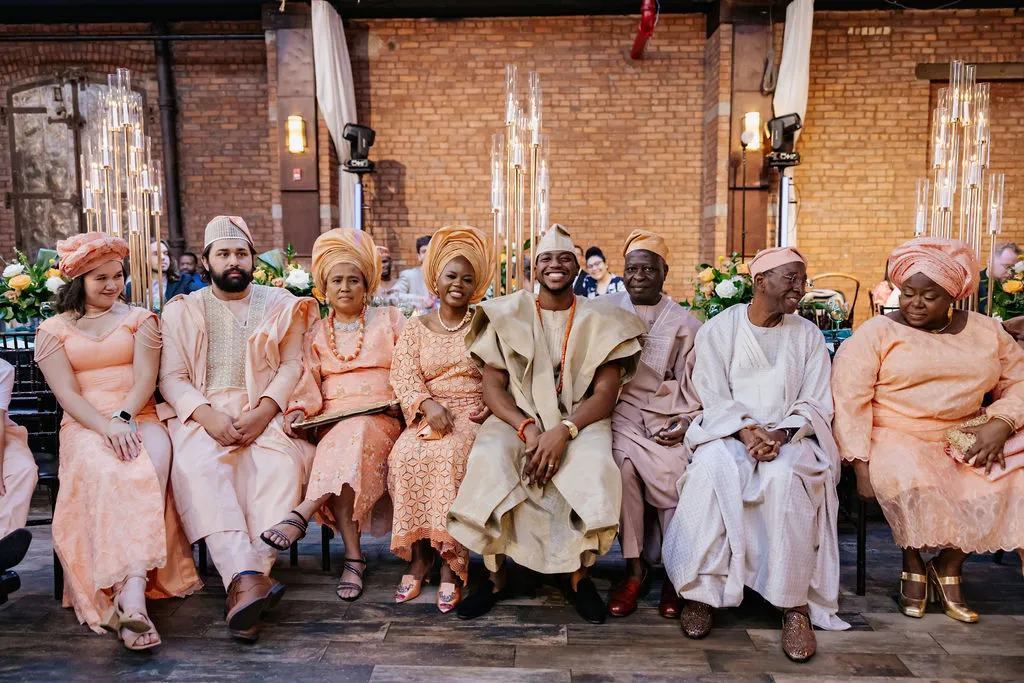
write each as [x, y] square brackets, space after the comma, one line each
[123, 416]
[573, 429]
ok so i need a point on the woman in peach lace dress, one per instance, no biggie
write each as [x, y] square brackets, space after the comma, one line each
[115, 530]
[346, 360]
[900, 383]
[442, 397]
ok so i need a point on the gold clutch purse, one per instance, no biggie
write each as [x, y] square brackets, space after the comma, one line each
[961, 441]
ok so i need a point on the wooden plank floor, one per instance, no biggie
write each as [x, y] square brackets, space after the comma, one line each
[536, 638]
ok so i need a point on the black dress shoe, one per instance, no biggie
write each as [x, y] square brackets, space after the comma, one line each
[9, 582]
[13, 547]
[482, 600]
[588, 602]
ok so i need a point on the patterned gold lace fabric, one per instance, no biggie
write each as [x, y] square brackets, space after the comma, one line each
[226, 352]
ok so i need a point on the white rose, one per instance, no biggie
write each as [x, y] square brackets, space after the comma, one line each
[297, 278]
[54, 283]
[1018, 267]
[726, 289]
[13, 269]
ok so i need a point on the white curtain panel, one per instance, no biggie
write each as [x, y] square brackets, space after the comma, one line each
[335, 93]
[794, 72]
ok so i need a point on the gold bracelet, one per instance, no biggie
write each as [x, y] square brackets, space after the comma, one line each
[1013, 425]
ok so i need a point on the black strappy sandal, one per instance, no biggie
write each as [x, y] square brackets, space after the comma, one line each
[348, 584]
[301, 526]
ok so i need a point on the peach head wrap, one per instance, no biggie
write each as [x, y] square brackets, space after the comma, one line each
[81, 253]
[950, 264]
[767, 259]
[227, 228]
[459, 240]
[648, 241]
[346, 245]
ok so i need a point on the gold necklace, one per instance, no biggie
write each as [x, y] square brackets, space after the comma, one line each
[359, 342]
[944, 327]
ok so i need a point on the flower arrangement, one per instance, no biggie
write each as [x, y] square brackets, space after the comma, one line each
[1008, 295]
[278, 268]
[27, 290]
[716, 288]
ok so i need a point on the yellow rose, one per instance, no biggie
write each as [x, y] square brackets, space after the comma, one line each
[1010, 286]
[707, 275]
[19, 282]
[53, 272]
[742, 269]
[317, 295]
[259, 275]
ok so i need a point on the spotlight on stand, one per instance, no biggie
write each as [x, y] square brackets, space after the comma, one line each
[782, 135]
[360, 140]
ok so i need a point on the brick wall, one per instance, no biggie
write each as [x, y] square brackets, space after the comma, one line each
[625, 135]
[224, 147]
[865, 140]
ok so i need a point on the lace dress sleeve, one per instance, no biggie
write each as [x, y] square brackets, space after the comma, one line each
[406, 375]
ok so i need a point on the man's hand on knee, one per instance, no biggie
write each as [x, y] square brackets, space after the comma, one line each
[251, 424]
[220, 426]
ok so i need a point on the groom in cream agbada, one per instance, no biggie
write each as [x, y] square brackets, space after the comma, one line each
[541, 486]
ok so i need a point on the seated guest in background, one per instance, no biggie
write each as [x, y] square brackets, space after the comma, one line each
[579, 285]
[600, 281]
[541, 486]
[884, 295]
[164, 276]
[757, 504]
[232, 357]
[411, 287]
[901, 382]
[651, 418]
[18, 475]
[115, 528]
[189, 265]
[442, 398]
[346, 363]
[386, 282]
[1007, 255]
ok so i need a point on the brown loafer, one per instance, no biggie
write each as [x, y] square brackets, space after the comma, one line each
[670, 605]
[249, 595]
[623, 599]
[798, 641]
[696, 619]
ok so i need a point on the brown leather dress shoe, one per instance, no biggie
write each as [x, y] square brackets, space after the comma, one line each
[623, 598]
[249, 595]
[696, 619]
[798, 641]
[670, 604]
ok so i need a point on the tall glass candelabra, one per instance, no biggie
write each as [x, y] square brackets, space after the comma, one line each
[519, 182]
[122, 185]
[953, 201]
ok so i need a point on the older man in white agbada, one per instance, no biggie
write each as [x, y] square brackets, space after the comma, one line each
[757, 504]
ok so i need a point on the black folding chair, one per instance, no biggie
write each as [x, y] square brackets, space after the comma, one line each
[34, 407]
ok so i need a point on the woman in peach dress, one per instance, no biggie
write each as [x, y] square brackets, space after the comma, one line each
[347, 360]
[441, 392]
[114, 530]
[900, 383]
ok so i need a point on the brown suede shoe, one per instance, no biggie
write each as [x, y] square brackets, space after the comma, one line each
[248, 596]
[798, 641]
[696, 619]
[670, 604]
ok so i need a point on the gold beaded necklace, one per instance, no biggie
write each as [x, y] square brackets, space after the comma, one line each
[359, 342]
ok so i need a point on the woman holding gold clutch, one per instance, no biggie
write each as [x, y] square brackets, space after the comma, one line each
[904, 385]
[347, 359]
[441, 392]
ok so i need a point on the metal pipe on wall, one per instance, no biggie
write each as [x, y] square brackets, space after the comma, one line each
[121, 37]
[169, 133]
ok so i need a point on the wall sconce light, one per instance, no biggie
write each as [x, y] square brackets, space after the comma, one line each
[750, 138]
[295, 128]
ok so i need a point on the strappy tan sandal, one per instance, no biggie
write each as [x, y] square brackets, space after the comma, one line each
[131, 640]
[270, 535]
[350, 565]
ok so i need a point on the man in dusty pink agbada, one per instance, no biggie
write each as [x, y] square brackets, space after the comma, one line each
[231, 359]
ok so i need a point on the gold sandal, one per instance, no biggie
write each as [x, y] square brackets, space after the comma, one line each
[913, 607]
[954, 610]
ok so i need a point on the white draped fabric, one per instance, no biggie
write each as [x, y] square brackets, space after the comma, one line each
[335, 93]
[794, 73]
[770, 526]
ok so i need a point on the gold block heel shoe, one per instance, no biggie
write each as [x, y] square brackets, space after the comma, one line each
[913, 607]
[954, 610]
